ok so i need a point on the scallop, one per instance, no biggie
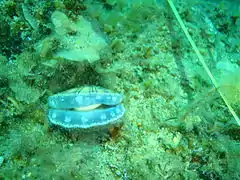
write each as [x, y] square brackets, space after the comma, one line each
[85, 107]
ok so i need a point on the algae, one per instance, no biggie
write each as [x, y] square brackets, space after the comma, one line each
[175, 127]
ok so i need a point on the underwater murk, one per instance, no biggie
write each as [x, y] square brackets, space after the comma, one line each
[120, 89]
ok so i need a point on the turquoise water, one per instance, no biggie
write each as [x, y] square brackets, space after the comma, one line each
[181, 99]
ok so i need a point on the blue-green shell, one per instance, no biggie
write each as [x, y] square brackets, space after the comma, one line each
[66, 107]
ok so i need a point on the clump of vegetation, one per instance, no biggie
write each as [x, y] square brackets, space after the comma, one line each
[230, 86]
[170, 121]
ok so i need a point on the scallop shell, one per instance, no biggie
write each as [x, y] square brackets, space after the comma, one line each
[85, 107]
